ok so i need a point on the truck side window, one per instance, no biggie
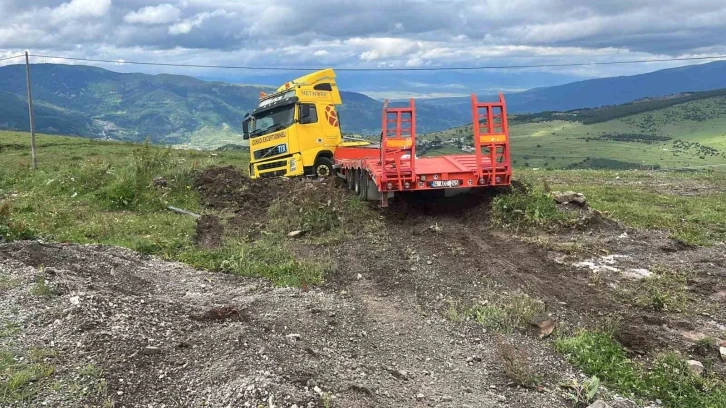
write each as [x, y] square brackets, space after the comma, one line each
[308, 113]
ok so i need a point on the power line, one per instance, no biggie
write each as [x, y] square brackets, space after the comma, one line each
[242, 67]
[7, 58]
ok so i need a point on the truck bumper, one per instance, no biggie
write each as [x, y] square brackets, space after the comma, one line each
[285, 167]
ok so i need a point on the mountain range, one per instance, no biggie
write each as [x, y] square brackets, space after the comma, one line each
[174, 109]
[593, 93]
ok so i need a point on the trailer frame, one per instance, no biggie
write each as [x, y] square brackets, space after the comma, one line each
[378, 171]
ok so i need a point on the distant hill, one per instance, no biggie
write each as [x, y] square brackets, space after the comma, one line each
[180, 110]
[684, 130]
[172, 109]
[93, 102]
[594, 93]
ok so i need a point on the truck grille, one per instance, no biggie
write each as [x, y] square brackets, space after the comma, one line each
[272, 165]
[270, 151]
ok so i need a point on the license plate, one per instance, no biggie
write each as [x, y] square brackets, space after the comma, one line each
[445, 183]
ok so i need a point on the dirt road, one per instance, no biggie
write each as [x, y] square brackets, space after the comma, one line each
[127, 330]
[201, 339]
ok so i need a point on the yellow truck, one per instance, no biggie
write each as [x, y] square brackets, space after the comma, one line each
[295, 131]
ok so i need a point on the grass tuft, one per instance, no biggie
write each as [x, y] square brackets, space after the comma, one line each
[506, 311]
[528, 210]
[8, 283]
[668, 378]
[664, 290]
[261, 259]
[21, 376]
[10, 228]
[43, 288]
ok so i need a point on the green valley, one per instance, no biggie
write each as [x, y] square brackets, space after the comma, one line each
[683, 131]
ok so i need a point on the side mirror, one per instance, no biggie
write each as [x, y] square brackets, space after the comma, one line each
[246, 128]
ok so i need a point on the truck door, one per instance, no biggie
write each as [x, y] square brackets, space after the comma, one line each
[311, 132]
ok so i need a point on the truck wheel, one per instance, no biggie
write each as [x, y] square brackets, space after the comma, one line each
[323, 167]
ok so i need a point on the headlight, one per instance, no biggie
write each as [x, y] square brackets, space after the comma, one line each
[293, 164]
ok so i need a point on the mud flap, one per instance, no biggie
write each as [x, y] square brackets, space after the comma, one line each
[372, 191]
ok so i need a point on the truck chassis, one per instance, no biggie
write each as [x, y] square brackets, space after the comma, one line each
[378, 171]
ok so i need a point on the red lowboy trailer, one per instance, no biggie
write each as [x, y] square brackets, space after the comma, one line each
[378, 171]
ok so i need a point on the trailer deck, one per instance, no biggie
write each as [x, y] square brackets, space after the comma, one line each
[376, 172]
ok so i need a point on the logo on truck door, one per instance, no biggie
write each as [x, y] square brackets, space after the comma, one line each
[267, 138]
[317, 94]
[331, 116]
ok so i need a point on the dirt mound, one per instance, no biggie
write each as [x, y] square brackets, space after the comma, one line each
[639, 337]
[228, 188]
[220, 186]
[594, 220]
[208, 232]
[247, 207]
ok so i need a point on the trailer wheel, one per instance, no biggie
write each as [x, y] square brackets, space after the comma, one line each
[350, 178]
[323, 167]
[356, 181]
[363, 183]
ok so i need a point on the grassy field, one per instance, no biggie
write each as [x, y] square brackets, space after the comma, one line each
[211, 138]
[690, 134]
[102, 192]
[90, 191]
[690, 205]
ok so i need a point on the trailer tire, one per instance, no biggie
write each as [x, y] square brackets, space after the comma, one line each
[350, 178]
[356, 181]
[363, 183]
[323, 167]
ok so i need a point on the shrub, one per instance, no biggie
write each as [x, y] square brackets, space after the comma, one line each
[131, 187]
[11, 230]
[532, 208]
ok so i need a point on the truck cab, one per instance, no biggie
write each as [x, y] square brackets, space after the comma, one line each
[294, 131]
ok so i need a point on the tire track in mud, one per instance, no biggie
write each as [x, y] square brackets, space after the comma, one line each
[529, 268]
[450, 363]
[486, 254]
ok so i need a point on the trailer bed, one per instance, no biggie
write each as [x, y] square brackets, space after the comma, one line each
[377, 171]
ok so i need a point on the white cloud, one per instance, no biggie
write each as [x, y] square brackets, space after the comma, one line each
[161, 14]
[76, 9]
[397, 33]
[382, 48]
[186, 26]
[414, 62]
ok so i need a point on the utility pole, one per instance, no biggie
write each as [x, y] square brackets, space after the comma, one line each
[30, 112]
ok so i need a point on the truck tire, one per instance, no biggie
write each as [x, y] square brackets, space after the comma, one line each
[323, 167]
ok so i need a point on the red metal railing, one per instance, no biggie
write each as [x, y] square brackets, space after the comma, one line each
[398, 144]
[491, 132]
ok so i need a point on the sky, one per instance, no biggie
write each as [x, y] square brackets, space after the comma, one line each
[371, 34]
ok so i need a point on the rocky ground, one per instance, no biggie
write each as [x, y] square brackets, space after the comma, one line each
[120, 329]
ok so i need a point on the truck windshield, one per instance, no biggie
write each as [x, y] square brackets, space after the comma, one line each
[272, 120]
